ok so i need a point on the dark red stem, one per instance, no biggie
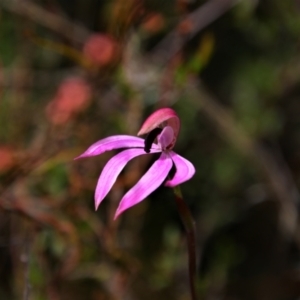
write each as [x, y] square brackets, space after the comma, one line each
[189, 225]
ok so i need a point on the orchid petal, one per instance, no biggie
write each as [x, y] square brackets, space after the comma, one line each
[166, 137]
[163, 115]
[112, 170]
[114, 142]
[147, 184]
[184, 170]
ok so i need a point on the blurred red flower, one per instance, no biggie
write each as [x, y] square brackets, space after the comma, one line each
[73, 96]
[154, 23]
[100, 49]
[7, 158]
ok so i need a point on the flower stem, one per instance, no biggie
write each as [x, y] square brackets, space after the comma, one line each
[189, 225]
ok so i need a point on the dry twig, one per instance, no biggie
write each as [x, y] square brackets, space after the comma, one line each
[58, 24]
[195, 22]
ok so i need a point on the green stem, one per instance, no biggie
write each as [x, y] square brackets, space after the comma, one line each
[189, 225]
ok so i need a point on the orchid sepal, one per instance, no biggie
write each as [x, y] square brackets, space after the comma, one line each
[162, 117]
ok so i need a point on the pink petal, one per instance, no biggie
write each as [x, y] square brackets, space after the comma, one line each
[184, 170]
[112, 170]
[147, 184]
[165, 138]
[114, 142]
[163, 115]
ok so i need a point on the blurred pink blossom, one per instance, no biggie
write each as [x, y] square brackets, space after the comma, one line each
[7, 158]
[100, 49]
[73, 96]
[154, 23]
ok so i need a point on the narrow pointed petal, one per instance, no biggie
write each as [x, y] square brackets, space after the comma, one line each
[184, 170]
[147, 184]
[114, 142]
[159, 117]
[112, 170]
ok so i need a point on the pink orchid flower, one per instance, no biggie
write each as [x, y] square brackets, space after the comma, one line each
[162, 126]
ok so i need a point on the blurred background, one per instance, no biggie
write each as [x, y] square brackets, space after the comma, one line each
[74, 72]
